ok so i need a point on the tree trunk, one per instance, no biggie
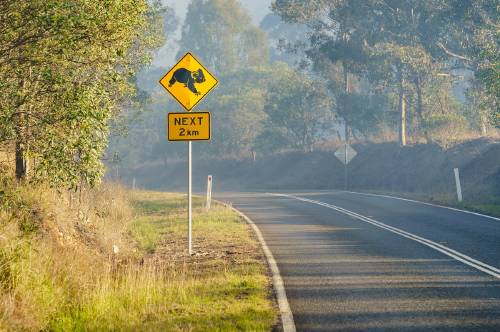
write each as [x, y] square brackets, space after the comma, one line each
[420, 105]
[346, 91]
[484, 125]
[21, 161]
[402, 109]
[21, 135]
[21, 157]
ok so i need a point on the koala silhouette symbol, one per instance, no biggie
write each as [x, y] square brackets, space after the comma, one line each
[188, 78]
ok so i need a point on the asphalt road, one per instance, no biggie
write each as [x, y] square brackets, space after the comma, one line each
[354, 262]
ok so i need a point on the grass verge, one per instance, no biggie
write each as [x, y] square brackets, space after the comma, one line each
[223, 287]
[485, 204]
[117, 261]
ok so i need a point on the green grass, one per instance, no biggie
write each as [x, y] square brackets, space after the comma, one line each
[48, 287]
[481, 203]
[217, 225]
[490, 209]
[485, 204]
[218, 291]
[227, 301]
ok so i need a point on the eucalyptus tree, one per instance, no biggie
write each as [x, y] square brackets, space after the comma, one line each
[471, 36]
[336, 46]
[298, 111]
[222, 34]
[65, 70]
[394, 42]
[281, 34]
[403, 29]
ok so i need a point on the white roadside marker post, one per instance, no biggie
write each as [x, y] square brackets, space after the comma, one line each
[457, 182]
[209, 192]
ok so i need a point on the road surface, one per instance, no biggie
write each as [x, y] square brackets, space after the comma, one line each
[356, 262]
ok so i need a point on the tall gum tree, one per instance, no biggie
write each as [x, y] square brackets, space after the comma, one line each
[338, 34]
[476, 28]
[65, 70]
[392, 39]
[222, 34]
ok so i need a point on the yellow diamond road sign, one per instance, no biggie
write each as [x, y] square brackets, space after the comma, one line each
[188, 81]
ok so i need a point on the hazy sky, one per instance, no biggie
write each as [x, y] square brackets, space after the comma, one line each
[257, 8]
[165, 57]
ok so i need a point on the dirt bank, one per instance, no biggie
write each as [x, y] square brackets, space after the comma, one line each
[424, 168]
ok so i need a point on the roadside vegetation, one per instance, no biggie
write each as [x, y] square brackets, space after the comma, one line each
[79, 256]
[415, 75]
[76, 76]
[115, 260]
[315, 73]
[486, 204]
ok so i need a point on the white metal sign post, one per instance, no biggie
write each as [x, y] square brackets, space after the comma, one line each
[189, 82]
[345, 154]
[209, 192]
[190, 197]
[457, 182]
[346, 186]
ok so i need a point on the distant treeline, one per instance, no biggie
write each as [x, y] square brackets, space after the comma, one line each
[321, 71]
[312, 73]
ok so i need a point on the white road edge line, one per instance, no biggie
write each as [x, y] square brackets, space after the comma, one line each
[425, 203]
[493, 271]
[285, 311]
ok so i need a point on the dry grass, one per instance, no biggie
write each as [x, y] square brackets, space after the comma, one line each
[58, 271]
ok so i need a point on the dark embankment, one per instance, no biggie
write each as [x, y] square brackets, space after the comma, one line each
[420, 169]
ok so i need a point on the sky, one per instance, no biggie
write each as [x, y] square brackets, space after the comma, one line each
[165, 56]
[257, 8]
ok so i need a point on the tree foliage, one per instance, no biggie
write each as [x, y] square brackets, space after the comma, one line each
[299, 111]
[401, 45]
[221, 33]
[373, 66]
[66, 68]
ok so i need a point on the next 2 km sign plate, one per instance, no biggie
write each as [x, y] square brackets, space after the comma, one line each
[189, 126]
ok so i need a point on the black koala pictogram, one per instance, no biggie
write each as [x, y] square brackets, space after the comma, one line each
[182, 75]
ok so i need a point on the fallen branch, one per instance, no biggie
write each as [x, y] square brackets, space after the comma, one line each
[450, 53]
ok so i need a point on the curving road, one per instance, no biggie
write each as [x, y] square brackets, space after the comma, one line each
[359, 262]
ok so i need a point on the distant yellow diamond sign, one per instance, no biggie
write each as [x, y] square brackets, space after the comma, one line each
[188, 81]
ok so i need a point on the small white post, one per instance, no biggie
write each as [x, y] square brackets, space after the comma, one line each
[209, 191]
[345, 166]
[459, 187]
[133, 184]
[190, 197]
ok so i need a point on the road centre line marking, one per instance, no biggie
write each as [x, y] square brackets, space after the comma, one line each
[425, 203]
[493, 271]
[279, 286]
